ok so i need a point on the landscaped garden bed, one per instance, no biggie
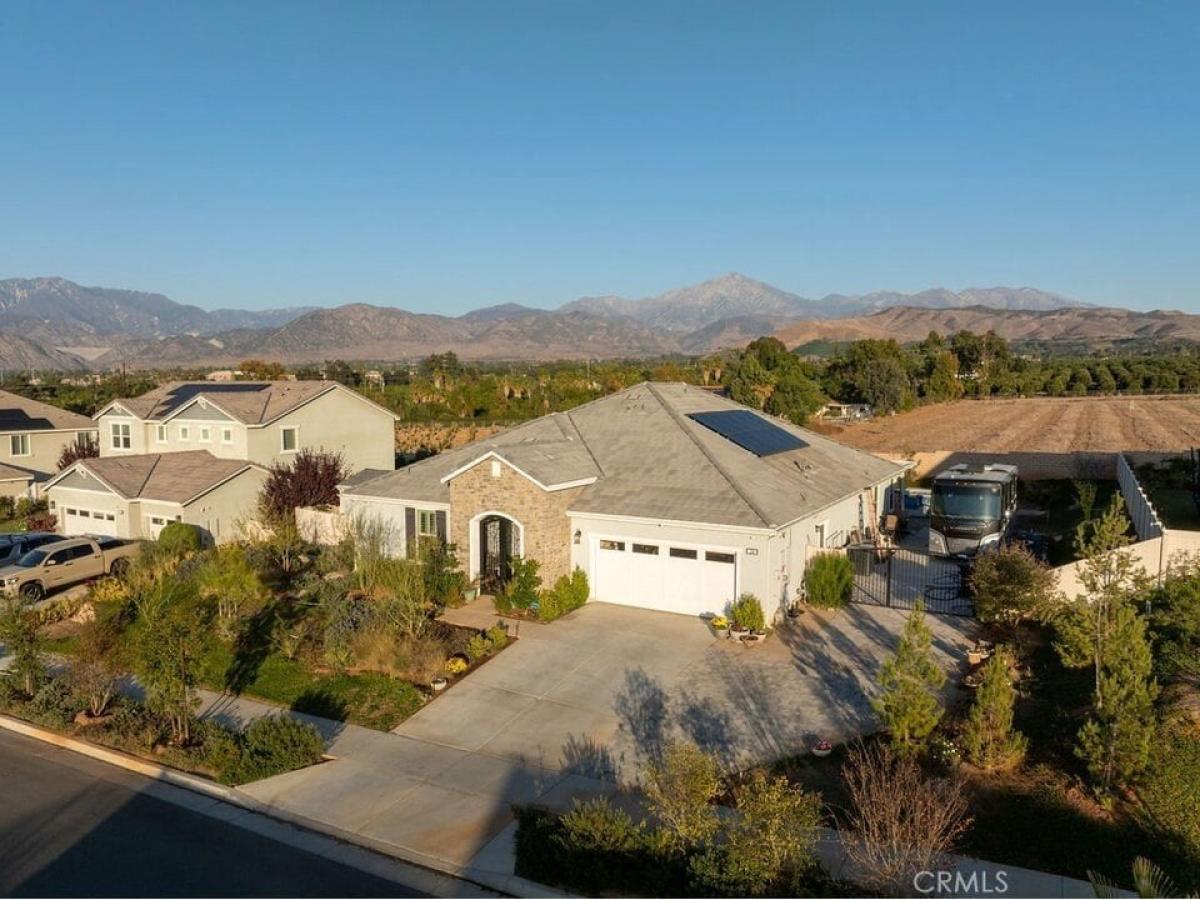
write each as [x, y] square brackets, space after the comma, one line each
[269, 746]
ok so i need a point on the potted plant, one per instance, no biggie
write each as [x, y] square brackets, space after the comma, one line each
[457, 664]
[749, 625]
[822, 747]
[719, 624]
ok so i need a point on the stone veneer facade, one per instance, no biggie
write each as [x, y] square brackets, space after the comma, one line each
[542, 514]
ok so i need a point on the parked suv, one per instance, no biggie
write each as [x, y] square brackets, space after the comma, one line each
[14, 546]
[64, 563]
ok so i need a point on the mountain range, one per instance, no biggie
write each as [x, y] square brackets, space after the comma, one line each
[55, 323]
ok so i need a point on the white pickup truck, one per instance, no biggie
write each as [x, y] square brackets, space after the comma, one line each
[64, 563]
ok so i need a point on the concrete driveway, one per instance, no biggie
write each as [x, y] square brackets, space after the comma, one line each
[575, 707]
[600, 690]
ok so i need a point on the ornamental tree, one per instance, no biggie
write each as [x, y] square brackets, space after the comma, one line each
[908, 705]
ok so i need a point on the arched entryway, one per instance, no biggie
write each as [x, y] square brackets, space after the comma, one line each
[496, 541]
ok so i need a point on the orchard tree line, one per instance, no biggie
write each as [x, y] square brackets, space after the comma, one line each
[892, 377]
[887, 375]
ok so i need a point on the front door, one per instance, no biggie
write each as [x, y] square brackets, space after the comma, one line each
[497, 547]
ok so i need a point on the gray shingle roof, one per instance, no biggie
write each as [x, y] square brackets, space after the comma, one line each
[649, 460]
[250, 402]
[14, 473]
[170, 477]
[19, 413]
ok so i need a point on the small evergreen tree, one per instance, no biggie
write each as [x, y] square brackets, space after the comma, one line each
[1112, 578]
[908, 705]
[1010, 584]
[1115, 741]
[988, 736]
[19, 634]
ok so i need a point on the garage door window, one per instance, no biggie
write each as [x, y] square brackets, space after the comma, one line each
[683, 553]
[612, 545]
[720, 557]
[648, 549]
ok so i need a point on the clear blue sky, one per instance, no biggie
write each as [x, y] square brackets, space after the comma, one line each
[441, 156]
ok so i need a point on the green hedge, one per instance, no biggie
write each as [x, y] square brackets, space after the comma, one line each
[569, 593]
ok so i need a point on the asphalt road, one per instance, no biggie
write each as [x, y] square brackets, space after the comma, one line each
[73, 826]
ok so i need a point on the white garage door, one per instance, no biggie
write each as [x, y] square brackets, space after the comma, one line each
[670, 577]
[88, 521]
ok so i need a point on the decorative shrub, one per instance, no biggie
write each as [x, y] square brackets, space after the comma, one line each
[348, 614]
[443, 579]
[54, 704]
[747, 612]
[485, 643]
[479, 647]
[311, 479]
[498, 635]
[521, 591]
[275, 744]
[83, 447]
[179, 539]
[829, 580]
[1171, 789]
[26, 507]
[456, 665]
[569, 593]
[41, 521]
[8, 507]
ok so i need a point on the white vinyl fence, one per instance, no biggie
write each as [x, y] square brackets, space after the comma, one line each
[1141, 511]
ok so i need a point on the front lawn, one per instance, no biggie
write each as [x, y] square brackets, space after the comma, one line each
[370, 699]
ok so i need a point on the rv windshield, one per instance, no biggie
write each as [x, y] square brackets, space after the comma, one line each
[966, 501]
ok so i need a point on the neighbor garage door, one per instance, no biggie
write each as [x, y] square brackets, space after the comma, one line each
[88, 521]
[671, 577]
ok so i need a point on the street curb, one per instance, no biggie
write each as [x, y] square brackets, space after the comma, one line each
[510, 885]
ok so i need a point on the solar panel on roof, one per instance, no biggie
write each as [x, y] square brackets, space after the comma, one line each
[748, 431]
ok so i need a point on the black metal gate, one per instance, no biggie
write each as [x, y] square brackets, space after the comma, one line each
[899, 577]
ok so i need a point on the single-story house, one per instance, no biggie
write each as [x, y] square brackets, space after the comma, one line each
[33, 436]
[136, 496]
[669, 497]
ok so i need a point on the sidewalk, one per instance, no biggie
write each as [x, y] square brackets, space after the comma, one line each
[451, 810]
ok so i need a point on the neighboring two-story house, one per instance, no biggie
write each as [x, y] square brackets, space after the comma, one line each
[199, 452]
[33, 436]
